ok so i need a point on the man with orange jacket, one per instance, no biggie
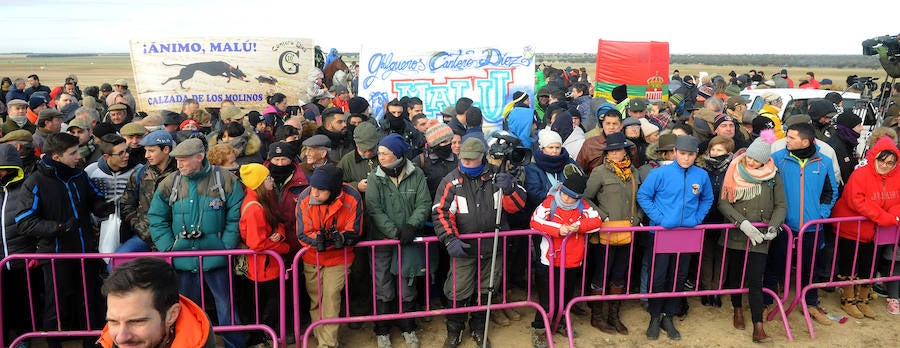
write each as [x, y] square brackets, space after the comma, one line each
[329, 217]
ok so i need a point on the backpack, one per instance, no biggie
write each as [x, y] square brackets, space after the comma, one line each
[217, 172]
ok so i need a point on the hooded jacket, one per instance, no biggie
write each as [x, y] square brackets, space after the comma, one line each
[519, 122]
[248, 145]
[198, 206]
[673, 196]
[192, 328]
[255, 232]
[12, 202]
[548, 220]
[871, 195]
[539, 173]
[810, 189]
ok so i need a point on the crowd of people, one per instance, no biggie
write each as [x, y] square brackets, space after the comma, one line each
[81, 165]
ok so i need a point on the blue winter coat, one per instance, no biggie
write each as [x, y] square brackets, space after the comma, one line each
[811, 188]
[673, 196]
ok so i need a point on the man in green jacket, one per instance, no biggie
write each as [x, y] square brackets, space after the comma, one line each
[198, 208]
[398, 203]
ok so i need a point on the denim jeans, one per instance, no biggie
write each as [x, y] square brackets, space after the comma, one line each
[217, 282]
[133, 245]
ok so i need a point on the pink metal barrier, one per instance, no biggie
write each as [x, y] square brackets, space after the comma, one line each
[675, 241]
[475, 240]
[884, 236]
[89, 267]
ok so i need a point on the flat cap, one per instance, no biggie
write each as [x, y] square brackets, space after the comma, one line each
[318, 140]
[133, 128]
[188, 147]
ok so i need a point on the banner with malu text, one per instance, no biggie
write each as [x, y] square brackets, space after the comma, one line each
[242, 69]
[487, 75]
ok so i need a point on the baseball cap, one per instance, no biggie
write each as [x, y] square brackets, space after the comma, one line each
[472, 148]
[159, 137]
[121, 82]
[637, 104]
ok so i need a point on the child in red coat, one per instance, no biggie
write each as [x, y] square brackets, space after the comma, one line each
[563, 212]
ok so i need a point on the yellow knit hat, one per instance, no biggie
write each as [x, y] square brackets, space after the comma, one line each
[253, 175]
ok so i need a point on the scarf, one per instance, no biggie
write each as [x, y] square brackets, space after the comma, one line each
[559, 202]
[441, 151]
[848, 134]
[742, 183]
[717, 164]
[622, 169]
[551, 164]
[281, 173]
[19, 120]
[804, 153]
[472, 172]
[394, 169]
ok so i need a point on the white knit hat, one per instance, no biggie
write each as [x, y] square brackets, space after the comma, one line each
[647, 128]
[547, 137]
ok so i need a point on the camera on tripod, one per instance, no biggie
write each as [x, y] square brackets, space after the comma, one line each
[891, 42]
[329, 236]
[863, 83]
[505, 146]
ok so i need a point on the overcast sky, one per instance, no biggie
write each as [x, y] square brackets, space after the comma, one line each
[709, 27]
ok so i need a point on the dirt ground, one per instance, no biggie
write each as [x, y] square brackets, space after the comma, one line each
[703, 327]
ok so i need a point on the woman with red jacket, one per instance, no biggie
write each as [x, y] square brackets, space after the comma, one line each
[261, 231]
[563, 212]
[873, 191]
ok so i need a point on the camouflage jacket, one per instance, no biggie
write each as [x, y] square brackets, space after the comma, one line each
[136, 204]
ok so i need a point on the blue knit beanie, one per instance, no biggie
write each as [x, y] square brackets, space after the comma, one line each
[396, 144]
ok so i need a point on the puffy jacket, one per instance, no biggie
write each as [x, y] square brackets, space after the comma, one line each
[537, 178]
[248, 145]
[435, 169]
[287, 194]
[613, 197]
[769, 207]
[356, 168]
[583, 105]
[135, 205]
[255, 232]
[198, 206]
[871, 195]
[391, 205]
[12, 202]
[192, 328]
[344, 214]
[810, 188]
[465, 204]
[548, 217]
[673, 196]
[771, 112]
[55, 197]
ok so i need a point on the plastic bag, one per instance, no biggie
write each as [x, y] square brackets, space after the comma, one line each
[109, 234]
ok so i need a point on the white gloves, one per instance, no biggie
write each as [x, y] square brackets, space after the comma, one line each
[771, 233]
[752, 233]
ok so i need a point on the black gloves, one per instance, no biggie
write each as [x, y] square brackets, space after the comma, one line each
[406, 233]
[457, 248]
[69, 226]
[506, 182]
[350, 238]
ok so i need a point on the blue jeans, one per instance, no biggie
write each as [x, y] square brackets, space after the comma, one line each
[217, 282]
[133, 245]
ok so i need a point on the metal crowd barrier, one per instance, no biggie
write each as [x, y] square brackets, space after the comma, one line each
[475, 240]
[678, 241]
[884, 236]
[93, 264]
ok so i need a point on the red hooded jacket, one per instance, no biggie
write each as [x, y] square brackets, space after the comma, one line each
[548, 220]
[255, 232]
[871, 195]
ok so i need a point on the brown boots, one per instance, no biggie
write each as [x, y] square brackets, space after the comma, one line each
[598, 320]
[862, 300]
[611, 324]
[738, 321]
[759, 334]
[849, 301]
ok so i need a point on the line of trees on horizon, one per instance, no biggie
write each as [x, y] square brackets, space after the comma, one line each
[846, 61]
